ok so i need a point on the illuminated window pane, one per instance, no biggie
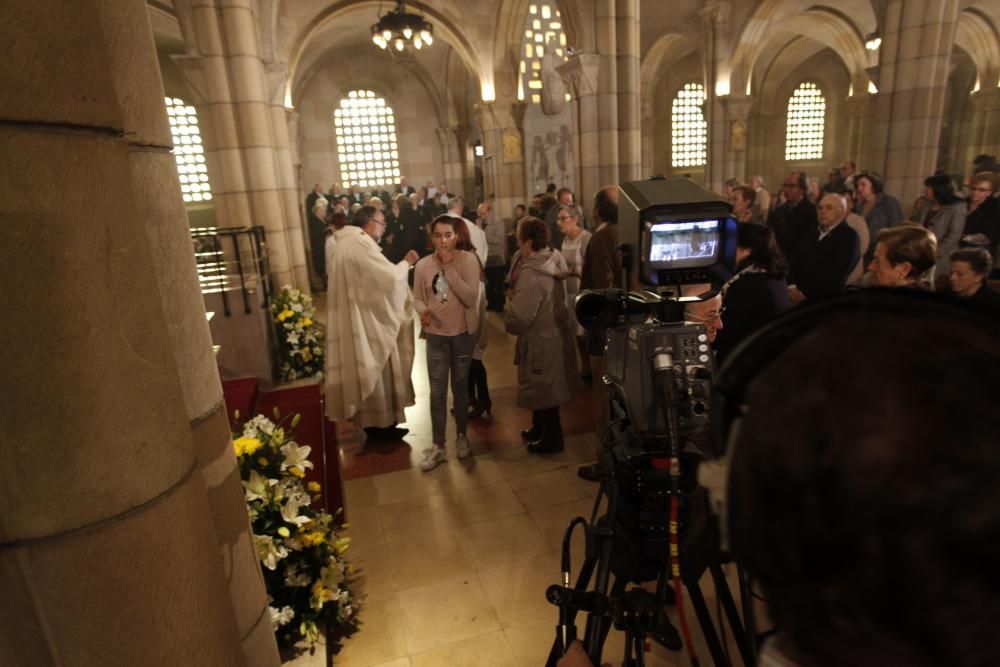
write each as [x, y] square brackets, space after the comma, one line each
[368, 154]
[806, 123]
[189, 154]
[689, 131]
[542, 31]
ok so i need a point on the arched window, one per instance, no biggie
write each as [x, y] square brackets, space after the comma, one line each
[806, 123]
[542, 31]
[689, 130]
[188, 151]
[366, 140]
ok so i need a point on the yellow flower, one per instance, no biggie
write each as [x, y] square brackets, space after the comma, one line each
[297, 471]
[313, 538]
[285, 314]
[313, 487]
[306, 322]
[284, 532]
[246, 445]
[262, 461]
[306, 354]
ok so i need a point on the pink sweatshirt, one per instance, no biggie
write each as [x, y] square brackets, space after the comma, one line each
[449, 292]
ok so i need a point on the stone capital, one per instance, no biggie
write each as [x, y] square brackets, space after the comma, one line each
[716, 13]
[737, 106]
[580, 72]
[276, 77]
[861, 106]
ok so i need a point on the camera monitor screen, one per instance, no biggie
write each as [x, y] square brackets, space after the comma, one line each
[683, 244]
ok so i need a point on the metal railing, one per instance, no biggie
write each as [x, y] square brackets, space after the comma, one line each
[231, 259]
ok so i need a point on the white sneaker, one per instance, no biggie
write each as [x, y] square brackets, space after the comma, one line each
[432, 457]
[462, 446]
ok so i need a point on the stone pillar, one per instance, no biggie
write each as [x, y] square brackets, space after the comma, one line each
[715, 32]
[452, 145]
[156, 193]
[607, 92]
[735, 132]
[860, 109]
[243, 140]
[918, 36]
[108, 553]
[986, 123]
[503, 150]
[629, 114]
[581, 72]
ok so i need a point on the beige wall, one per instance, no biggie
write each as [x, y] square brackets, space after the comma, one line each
[420, 157]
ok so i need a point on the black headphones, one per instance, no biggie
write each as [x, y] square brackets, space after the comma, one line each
[753, 355]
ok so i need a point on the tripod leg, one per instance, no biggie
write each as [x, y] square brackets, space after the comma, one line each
[707, 625]
[725, 596]
[746, 601]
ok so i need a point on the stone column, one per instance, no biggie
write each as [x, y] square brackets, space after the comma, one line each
[629, 114]
[860, 109]
[715, 32]
[735, 132]
[451, 150]
[915, 56]
[503, 150]
[108, 553]
[581, 72]
[986, 133]
[156, 193]
[248, 148]
[607, 92]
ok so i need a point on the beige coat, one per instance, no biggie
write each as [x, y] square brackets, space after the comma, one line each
[545, 351]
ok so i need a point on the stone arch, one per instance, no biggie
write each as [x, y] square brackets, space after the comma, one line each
[444, 29]
[841, 27]
[976, 35]
[665, 51]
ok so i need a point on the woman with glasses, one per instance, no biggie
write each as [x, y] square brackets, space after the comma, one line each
[757, 293]
[574, 249]
[982, 218]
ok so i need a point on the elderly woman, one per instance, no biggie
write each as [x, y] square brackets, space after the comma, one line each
[970, 268]
[945, 217]
[904, 256]
[569, 219]
[982, 218]
[544, 353]
[878, 209]
[757, 293]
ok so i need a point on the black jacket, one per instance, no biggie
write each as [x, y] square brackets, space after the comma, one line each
[985, 220]
[820, 268]
[752, 301]
[792, 224]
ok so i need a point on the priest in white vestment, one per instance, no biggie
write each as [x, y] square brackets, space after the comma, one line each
[369, 340]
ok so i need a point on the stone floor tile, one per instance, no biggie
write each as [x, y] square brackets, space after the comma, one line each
[445, 613]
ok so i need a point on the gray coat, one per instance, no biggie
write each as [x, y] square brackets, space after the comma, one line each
[947, 224]
[545, 351]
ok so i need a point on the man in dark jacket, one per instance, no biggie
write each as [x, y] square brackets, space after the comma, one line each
[796, 218]
[824, 259]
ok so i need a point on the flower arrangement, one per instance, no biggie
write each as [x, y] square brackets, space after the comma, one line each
[304, 568]
[300, 337]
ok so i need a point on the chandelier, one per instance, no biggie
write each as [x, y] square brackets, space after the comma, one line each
[400, 30]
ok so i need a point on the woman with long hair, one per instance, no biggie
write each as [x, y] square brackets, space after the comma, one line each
[757, 293]
[446, 288]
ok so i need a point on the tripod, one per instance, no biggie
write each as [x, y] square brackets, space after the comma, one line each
[630, 541]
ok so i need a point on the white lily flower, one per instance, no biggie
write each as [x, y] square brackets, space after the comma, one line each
[256, 486]
[332, 576]
[297, 307]
[290, 513]
[268, 552]
[292, 338]
[296, 456]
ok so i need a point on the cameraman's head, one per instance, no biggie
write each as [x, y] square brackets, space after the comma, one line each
[606, 205]
[863, 494]
[707, 311]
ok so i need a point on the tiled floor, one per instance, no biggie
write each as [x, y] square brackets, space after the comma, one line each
[452, 565]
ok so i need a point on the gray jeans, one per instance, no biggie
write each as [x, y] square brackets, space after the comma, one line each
[449, 354]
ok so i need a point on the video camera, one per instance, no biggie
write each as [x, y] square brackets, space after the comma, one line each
[658, 377]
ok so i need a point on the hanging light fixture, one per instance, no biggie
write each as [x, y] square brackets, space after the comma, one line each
[401, 30]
